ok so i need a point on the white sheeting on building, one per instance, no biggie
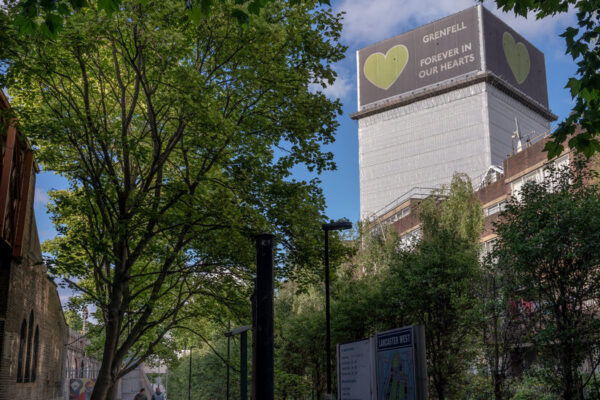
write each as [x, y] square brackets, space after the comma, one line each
[424, 143]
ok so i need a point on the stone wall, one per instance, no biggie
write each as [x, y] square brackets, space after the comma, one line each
[27, 294]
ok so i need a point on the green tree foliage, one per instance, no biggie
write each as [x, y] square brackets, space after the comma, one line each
[48, 17]
[501, 334]
[177, 140]
[300, 342]
[74, 320]
[434, 284]
[584, 47]
[548, 253]
[209, 369]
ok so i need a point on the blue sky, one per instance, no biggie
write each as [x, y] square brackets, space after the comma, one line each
[365, 22]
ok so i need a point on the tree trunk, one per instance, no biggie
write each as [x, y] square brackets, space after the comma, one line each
[105, 388]
[106, 383]
[569, 391]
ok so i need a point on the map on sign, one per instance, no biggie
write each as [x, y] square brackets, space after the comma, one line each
[395, 365]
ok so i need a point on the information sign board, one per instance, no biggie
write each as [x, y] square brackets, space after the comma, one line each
[355, 370]
[388, 366]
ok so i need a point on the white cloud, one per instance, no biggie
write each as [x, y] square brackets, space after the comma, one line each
[339, 89]
[369, 21]
[41, 197]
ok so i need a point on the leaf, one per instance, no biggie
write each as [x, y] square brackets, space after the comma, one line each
[63, 9]
[553, 148]
[196, 15]
[240, 16]
[574, 85]
[54, 23]
[205, 6]
[254, 7]
[109, 6]
[78, 4]
[26, 25]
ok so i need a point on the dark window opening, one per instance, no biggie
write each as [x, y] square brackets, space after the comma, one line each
[34, 361]
[22, 339]
[28, 357]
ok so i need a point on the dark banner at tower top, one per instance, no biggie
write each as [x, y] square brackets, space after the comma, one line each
[513, 59]
[447, 49]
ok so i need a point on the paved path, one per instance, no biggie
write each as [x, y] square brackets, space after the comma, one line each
[131, 384]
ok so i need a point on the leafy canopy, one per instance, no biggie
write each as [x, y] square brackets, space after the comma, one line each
[177, 139]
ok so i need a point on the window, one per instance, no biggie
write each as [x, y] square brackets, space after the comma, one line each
[22, 339]
[494, 208]
[410, 239]
[28, 357]
[539, 175]
[36, 346]
[487, 247]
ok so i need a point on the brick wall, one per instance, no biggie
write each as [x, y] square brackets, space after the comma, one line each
[26, 288]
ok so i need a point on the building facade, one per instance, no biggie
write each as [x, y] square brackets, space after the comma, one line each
[452, 96]
[493, 192]
[32, 324]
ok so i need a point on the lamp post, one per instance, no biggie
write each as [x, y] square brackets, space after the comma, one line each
[190, 375]
[332, 226]
[243, 332]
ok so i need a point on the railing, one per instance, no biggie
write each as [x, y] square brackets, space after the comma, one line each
[85, 372]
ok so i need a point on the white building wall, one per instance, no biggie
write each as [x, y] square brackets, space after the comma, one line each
[424, 143]
[502, 112]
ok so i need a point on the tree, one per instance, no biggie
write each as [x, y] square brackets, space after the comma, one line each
[74, 320]
[48, 17]
[502, 333]
[584, 47]
[548, 253]
[433, 283]
[167, 132]
[299, 342]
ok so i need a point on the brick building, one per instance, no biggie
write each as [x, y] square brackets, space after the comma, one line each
[32, 325]
[493, 190]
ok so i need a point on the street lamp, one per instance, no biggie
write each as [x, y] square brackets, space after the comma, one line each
[190, 375]
[243, 332]
[332, 226]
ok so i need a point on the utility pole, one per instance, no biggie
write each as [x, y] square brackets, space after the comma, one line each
[333, 226]
[228, 353]
[264, 317]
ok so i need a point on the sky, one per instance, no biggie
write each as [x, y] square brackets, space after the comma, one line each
[366, 22]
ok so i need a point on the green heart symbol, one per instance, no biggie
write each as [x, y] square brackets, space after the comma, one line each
[517, 57]
[382, 70]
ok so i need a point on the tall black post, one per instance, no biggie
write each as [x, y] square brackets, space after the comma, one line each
[244, 366]
[228, 353]
[253, 379]
[190, 376]
[264, 317]
[327, 316]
